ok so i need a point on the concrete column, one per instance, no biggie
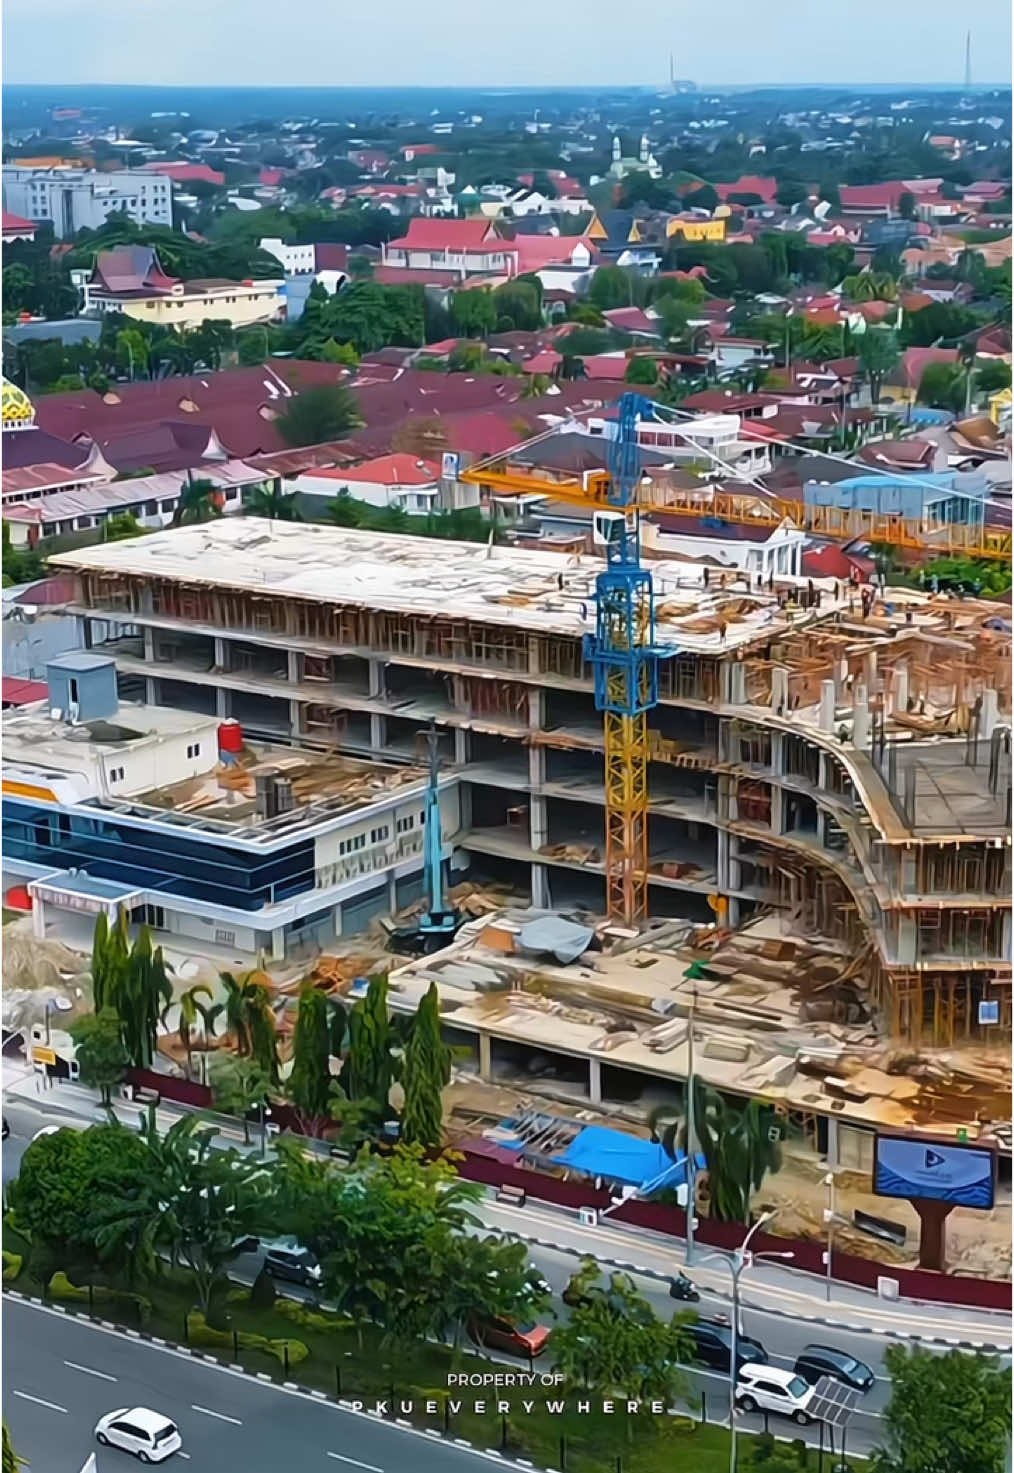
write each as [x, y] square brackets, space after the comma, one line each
[461, 744]
[149, 646]
[861, 719]
[538, 823]
[908, 937]
[779, 690]
[777, 808]
[294, 672]
[278, 944]
[540, 886]
[39, 920]
[151, 690]
[376, 668]
[485, 1057]
[222, 702]
[464, 807]
[832, 1142]
[595, 1081]
[737, 684]
[536, 766]
[870, 670]
[295, 718]
[735, 867]
[827, 705]
[221, 653]
[988, 717]
[392, 891]
[378, 732]
[722, 860]
[778, 752]
[901, 688]
[732, 915]
[536, 708]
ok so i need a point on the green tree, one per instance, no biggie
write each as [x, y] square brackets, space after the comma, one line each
[992, 374]
[132, 352]
[870, 286]
[272, 502]
[791, 192]
[309, 1083]
[239, 1086]
[704, 197]
[641, 370]
[947, 1413]
[120, 526]
[253, 345]
[141, 994]
[190, 1009]
[65, 1177]
[615, 1342]
[473, 312]
[212, 1199]
[939, 323]
[11, 1463]
[200, 501]
[741, 1146]
[370, 1066]
[102, 1057]
[426, 1073]
[483, 1277]
[248, 1017]
[521, 301]
[943, 386]
[18, 287]
[318, 414]
[877, 351]
[613, 286]
[344, 353]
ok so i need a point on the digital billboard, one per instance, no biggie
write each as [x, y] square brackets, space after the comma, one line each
[963, 1175]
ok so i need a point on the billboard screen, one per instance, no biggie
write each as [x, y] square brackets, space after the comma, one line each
[964, 1175]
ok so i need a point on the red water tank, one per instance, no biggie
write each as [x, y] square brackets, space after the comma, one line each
[230, 737]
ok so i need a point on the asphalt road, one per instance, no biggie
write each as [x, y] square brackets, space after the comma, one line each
[60, 1376]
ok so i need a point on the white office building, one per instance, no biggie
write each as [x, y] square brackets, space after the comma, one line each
[83, 199]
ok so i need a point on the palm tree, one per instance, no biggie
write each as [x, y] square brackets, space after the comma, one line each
[200, 501]
[190, 1010]
[248, 1017]
[741, 1145]
[271, 502]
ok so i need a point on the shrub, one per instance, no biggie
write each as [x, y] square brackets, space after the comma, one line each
[201, 1333]
[12, 1266]
[60, 1287]
[238, 1296]
[312, 1319]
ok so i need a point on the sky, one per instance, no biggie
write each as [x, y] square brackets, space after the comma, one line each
[526, 42]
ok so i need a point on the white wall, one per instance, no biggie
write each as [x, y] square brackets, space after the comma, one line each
[296, 259]
[416, 500]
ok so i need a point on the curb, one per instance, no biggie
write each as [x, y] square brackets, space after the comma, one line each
[983, 1346]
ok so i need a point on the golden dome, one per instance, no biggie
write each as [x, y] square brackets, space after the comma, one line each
[16, 408]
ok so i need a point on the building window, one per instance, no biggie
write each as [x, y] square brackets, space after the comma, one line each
[194, 750]
[404, 825]
[150, 508]
[116, 774]
[377, 836]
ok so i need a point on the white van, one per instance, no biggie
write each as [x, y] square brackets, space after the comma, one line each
[761, 1388]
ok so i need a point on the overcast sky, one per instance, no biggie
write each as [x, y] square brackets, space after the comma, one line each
[523, 42]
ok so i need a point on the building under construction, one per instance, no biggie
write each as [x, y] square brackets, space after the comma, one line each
[838, 759]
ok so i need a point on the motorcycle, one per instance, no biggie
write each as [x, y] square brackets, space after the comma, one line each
[680, 1287]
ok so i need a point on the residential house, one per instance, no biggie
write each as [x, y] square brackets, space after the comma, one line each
[765, 187]
[16, 228]
[130, 279]
[399, 480]
[465, 247]
[183, 172]
[691, 228]
[617, 235]
[907, 376]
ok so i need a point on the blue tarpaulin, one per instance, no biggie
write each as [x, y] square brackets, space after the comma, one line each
[599, 1151]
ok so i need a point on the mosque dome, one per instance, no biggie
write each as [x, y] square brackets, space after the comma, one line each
[16, 408]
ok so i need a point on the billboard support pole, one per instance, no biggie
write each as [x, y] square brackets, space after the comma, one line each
[932, 1232]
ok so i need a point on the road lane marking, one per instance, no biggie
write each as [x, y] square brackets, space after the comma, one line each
[220, 1415]
[88, 1370]
[181, 1454]
[371, 1467]
[39, 1401]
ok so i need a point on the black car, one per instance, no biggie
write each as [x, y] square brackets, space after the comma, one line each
[6, 1128]
[713, 1345]
[815, 1361]
[295, 1264]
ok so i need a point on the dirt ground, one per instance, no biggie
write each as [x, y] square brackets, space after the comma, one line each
[978, 1243]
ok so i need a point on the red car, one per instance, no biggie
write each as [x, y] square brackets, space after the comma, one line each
[500, 1334]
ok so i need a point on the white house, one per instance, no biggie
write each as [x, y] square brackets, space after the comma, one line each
[297, 260]
[399, 480]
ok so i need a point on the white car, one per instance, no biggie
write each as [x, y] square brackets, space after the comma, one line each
[150, 1436]
[763, 1388]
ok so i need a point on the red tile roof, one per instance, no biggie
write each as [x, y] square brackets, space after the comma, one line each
[763, 185]
[873, 196]
[406, 276]
[386, 470]
[536, 251]
[18, 222]
[23, 692]
[450, 235]
[271, 178]
[545, 362]
[184, 173]
[915, 361]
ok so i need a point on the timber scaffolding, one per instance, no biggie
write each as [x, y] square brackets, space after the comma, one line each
[799, 716]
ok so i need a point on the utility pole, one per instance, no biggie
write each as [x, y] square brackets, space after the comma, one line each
[691, 1131]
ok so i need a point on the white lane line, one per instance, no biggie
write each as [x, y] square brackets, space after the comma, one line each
[181, 1454]
[39, 1402]
[220, 1415]
[88, 1370]
[371, 1467]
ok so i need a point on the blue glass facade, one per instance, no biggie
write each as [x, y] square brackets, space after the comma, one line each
[148, 858]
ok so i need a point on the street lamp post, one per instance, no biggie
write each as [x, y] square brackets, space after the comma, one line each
[829, 1219]
[738, 1262]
